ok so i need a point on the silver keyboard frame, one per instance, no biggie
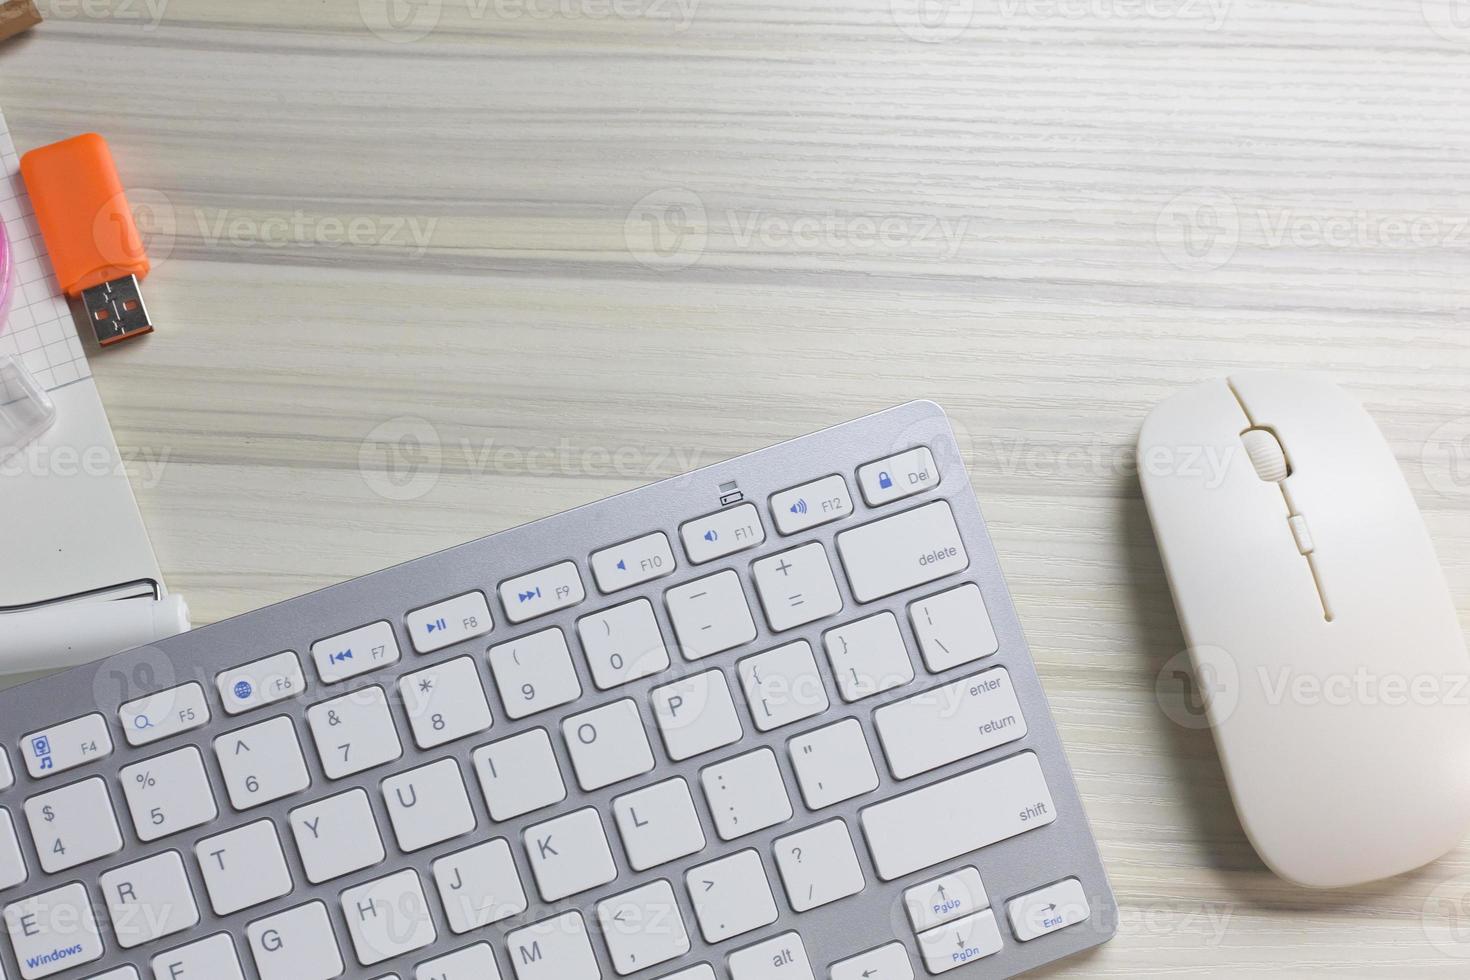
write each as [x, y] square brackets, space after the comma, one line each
[872, 918]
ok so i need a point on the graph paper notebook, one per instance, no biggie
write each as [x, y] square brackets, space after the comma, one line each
[67, 513]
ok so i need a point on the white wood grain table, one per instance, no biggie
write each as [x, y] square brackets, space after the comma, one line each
[429, 271]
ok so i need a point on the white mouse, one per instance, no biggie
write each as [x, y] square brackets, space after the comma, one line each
[1323, 634]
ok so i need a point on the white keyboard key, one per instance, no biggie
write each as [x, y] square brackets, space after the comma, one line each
[179, 709]
[952, 896]
[149, 899]
[354, 733]
[7, 777]
[710, 615]
[337, 836]
[782, 957]
[783, 685]
[818, 865]
[213, 958]
[261, 763]
[796, 587]
[53, 931]
[121, 973]
[168, 793]
[519, 774]
[903, 551]
[297, 944]
[355, 652]
[534, 673]
[746, 794]
[811, 504]
[953, 628]
[722, 533]
[569, 854]
[833, 764]
[388, 917]
[66, 746]
[479, 886]
[540, 592]
[633, 562]
[642, 927]
[701, 972]
[1044, 911]
[428, 805]
[696, 715]
[608, 744]
[889, 962]
[475, 962]
[12, 863]
[243, 867]
[260, 683]
[445, 702]
[958, 815]
[897, 476]
[868, 657]
[731, 896]
[555, 949]
[73, 825]
[623, 644]
[449, 622]
[960, 942]
[658, 824]
[949, 723]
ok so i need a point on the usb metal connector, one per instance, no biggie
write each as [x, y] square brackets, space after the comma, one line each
[116, 310]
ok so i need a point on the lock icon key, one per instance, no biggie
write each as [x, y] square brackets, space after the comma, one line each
[884, 480]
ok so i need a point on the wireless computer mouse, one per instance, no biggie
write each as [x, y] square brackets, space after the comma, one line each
[1320, 625]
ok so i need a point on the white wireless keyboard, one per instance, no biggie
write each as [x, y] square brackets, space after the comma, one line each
[774, 719]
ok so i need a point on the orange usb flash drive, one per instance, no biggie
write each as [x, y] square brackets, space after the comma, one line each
[89, 231]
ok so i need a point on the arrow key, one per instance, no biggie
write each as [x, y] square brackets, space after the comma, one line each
[889, 962]
[643, 927]
[962, 941]
[945, 899]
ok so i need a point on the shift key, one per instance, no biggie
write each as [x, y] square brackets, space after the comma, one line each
[902, 551]
[956, 816]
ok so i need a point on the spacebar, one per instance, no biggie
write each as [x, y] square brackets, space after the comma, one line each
[956, 816]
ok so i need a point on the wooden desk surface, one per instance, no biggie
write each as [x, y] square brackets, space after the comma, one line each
[419, 279]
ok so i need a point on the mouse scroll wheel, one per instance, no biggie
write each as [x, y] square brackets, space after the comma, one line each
[1266, 454]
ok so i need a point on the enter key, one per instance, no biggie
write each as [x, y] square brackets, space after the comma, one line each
[950, 723]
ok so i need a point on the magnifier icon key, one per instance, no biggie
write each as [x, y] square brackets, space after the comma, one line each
[141, 722]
